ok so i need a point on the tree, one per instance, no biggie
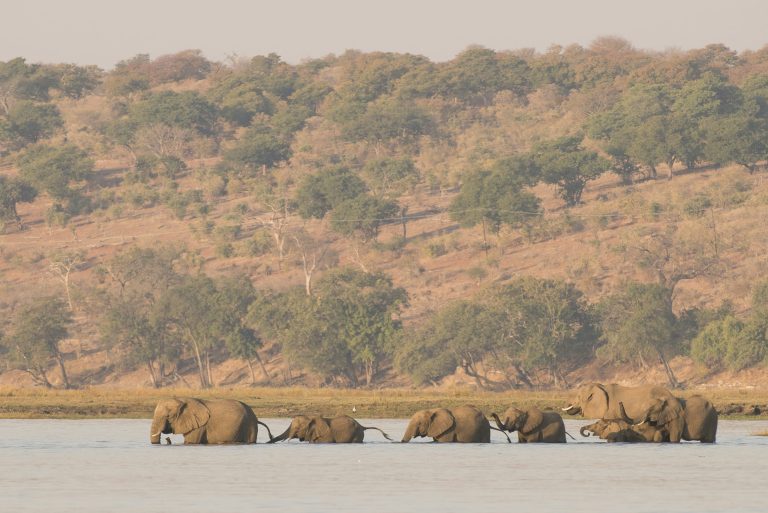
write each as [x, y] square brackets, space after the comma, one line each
[566, 164]
[280, 208]
[22, 81]
[76, 82]
[190, 308]
[184, 65]
[234, 296]
[498, 196]
[320, 193]
[259, 148]
[547, 326]
[53, 168]
[12, 192]
[187, 110]
[362, 216]
[738, 138]
[34, 341]
[313, 252]
[638, 325]
[28, 123]
[462, 334]
[390, 177]
[129, 77]
[346, 328]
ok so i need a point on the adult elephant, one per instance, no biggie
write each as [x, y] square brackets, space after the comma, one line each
[598, 401]
[338, 430]
[684, 419]
[203, 421]
[462, 424]
[532, 425]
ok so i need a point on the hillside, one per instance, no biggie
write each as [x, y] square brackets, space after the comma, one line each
[216, 162]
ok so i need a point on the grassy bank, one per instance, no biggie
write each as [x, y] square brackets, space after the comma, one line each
[285, 402]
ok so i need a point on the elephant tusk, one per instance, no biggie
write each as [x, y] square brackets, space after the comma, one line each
[567, 407]
[157, 434]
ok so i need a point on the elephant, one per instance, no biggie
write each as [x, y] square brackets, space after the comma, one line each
[623, 431]
[338, 430]
[684, 419]
[206, 421]
[462, 424]
[533, 425]
[598, 401]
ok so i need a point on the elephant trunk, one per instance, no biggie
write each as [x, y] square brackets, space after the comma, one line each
[585, 432]
[279, 438]
[410, 432]
[156, 430]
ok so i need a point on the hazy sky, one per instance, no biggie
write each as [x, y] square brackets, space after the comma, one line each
[105, 31]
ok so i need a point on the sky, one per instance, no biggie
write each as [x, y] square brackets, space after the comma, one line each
[104, 32]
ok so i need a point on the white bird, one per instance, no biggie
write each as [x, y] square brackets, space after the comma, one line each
[354, 409]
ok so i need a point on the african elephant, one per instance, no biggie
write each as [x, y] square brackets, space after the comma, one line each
[206, 421]
[623, 431]
[684, 419]
[338, 430]
[533, 425]
[598, 401]
[461, 424]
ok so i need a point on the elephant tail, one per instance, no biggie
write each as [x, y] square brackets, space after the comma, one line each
[267, 428]
[502, 432]
[380, 431]
[572, 438]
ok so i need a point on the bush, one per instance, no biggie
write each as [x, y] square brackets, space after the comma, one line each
[711, 344]
[260, 244]
[435, 249]
[697, 206]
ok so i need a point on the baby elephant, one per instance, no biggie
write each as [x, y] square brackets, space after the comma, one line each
[622, 431]
[533, 425]
[338, 430]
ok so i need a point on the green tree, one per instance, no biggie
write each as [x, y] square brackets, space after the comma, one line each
[28, 123]
[548, 326]
[12, 192]
[638, 326]
[183, 110]
[739, 138]
[362, 216]
[38, 330]
[259, 148]
[566, 164]
[346, 328]
[54, 168]
[320, 193]
[498, 196]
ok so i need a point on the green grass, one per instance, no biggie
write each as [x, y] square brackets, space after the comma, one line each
[286, 402]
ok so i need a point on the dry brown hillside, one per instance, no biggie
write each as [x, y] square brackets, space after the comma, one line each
[593, 245]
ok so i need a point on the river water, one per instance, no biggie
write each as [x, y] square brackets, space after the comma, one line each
[108, 466]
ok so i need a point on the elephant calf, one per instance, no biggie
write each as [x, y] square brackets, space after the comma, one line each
[214, 421]
[622, 431]
[338, 430]
[533, 425]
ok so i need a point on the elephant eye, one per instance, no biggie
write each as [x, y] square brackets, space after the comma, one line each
[590, 397]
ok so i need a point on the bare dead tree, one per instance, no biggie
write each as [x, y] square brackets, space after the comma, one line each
[312, 253]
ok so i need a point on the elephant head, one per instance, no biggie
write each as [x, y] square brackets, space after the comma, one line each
[591, 401]
[524, 421]
[668, 414]
[431, 423]
[178, 416]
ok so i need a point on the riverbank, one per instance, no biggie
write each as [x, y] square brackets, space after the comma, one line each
[27, 403]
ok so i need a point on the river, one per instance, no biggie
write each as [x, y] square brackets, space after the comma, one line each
[109, 466]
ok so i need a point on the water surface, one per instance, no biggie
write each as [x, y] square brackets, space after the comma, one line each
[109, 466]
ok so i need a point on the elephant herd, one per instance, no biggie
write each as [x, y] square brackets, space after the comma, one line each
[625, 414]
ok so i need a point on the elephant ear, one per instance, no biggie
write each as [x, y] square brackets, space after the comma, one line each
[193, 414]
[670, 410]
[533, 421]
[318, 429]
[440, 422]
[596, 404]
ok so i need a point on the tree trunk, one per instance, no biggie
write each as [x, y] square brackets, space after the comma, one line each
[64, 378]
[199, 360]
[250, 367]
[152, 376]
[263, 368]
[670, 375]
[208, 367]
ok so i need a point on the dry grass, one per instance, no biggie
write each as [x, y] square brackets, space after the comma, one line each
[285, 402]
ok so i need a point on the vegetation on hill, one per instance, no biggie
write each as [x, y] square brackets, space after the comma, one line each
[300, 198]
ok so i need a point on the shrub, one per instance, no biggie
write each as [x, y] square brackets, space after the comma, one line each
[697, 206]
